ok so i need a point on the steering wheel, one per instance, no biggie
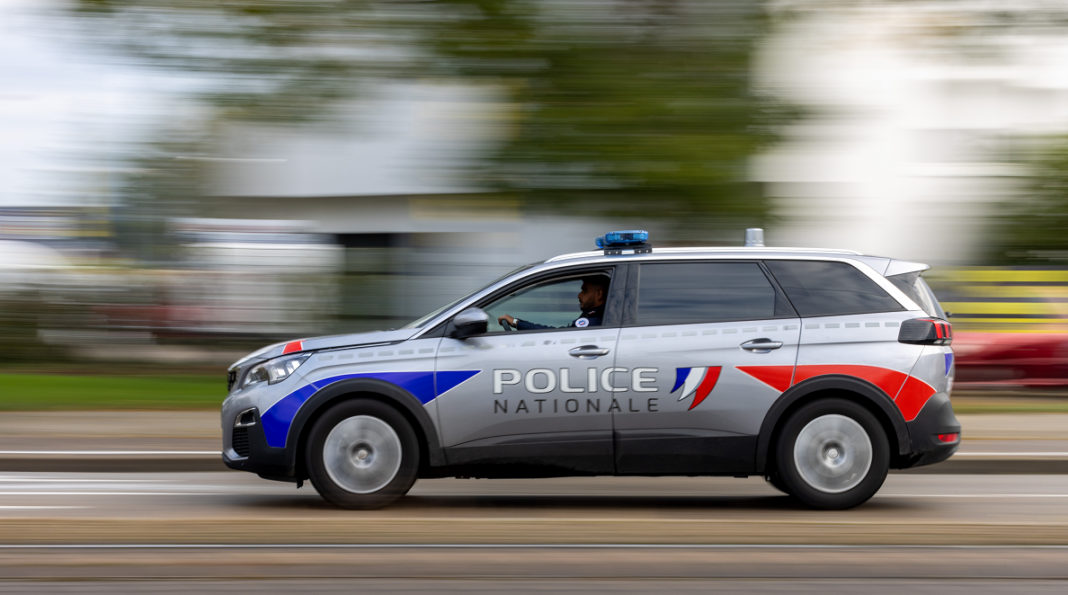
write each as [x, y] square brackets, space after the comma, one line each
[507, 327]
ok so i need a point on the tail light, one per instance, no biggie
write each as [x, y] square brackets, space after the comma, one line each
[947, 438]
[926, 331]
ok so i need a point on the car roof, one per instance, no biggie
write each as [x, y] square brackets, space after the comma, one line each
[881, 265]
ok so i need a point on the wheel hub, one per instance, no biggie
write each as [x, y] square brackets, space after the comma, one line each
[362, 454]
[833, 453]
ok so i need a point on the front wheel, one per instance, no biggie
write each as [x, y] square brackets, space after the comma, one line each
[832, 454]
[362, 454]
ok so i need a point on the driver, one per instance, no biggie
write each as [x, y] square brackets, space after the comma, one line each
[591, 298]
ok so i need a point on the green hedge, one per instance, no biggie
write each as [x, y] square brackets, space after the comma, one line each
[36, 392]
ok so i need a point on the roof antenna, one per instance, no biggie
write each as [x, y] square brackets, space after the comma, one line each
[754, 237]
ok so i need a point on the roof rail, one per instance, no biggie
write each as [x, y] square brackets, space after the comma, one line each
[717, 250]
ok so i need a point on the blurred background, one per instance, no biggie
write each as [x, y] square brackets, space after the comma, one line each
[183, 181]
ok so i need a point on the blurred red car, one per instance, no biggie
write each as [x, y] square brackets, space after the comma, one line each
[1011, 359]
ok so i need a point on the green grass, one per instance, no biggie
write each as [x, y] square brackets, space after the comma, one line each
[42, 392]
[1003, 407]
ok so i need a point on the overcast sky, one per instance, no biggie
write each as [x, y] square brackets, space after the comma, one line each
[56, 101]
[68, 115]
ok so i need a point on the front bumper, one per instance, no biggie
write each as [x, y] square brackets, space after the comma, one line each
[935, 418]
[263, 460]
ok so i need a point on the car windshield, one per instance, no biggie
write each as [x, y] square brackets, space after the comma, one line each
[420, 322]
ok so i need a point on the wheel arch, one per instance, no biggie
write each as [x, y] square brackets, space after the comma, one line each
[411, 408]
[855, 389]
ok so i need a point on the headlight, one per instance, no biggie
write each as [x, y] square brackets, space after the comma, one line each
[276, 370]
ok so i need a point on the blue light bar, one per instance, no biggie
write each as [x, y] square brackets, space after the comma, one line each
[620, 239]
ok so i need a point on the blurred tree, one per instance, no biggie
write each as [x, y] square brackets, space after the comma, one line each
[644, 106]
[167, 181]
[640, 107]
[22, 315]
[1033, 226]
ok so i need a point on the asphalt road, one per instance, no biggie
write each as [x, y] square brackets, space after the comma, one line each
[239, 508]
[208, 532]
[232, 532]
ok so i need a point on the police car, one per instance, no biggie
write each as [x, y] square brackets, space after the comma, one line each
[819, 370]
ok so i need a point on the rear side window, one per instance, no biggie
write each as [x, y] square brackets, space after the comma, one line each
[819, 288]
[692, 292]
[912, 285]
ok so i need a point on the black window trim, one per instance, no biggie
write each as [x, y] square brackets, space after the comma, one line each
[890, 294]
[630, 308]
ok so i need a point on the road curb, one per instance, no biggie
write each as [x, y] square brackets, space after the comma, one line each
[993, 466]
[111, 464]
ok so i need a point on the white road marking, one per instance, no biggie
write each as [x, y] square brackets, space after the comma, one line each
[90, 453]
[47, 480]
[1011, 454]
[81, 493]
[971, 495]
[531, 546]
[38, 507]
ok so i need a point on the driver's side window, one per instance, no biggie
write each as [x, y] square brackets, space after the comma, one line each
[549, 302]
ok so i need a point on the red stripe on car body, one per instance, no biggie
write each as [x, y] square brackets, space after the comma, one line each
[293, 347]
[909, 393]
[885, 378]
[777, 377]
[913, 396]
[706, 386]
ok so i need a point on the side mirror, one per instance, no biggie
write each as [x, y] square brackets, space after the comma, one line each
[472, 321]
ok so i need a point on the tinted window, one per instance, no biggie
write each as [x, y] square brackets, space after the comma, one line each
[681, 293]
[830, 288]
[912, 285]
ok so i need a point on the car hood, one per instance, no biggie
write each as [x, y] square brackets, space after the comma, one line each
[328, 342]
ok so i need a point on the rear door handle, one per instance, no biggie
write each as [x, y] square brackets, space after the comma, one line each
[588, 352]
[761, 345]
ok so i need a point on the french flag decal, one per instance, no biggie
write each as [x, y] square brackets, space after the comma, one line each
[695, 381]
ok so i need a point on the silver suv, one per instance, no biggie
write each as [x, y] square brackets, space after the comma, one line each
[817, 369]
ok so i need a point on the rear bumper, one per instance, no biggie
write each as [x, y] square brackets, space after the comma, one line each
[935, 418]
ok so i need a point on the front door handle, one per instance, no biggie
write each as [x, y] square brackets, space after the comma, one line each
[588, 352]
[761, 345]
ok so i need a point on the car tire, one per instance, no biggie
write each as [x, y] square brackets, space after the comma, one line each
[775, 480]
[832, 454]
[362, 454]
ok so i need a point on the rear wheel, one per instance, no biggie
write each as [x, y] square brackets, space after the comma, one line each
[832, 454]
[362, 454]
[775, 480]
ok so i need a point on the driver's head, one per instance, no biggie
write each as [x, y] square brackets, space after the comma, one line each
[594, 292]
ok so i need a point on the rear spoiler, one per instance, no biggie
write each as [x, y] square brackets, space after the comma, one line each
[901, 267]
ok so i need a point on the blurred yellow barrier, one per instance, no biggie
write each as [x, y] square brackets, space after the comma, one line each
[1004, 299]
[1007, 275]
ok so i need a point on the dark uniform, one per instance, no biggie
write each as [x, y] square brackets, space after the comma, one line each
[593, 317]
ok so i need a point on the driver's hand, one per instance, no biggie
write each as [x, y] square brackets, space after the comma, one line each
[506, 318]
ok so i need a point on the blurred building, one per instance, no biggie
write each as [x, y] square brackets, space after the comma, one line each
[915, 115]
[383, 183]
[246, 277]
